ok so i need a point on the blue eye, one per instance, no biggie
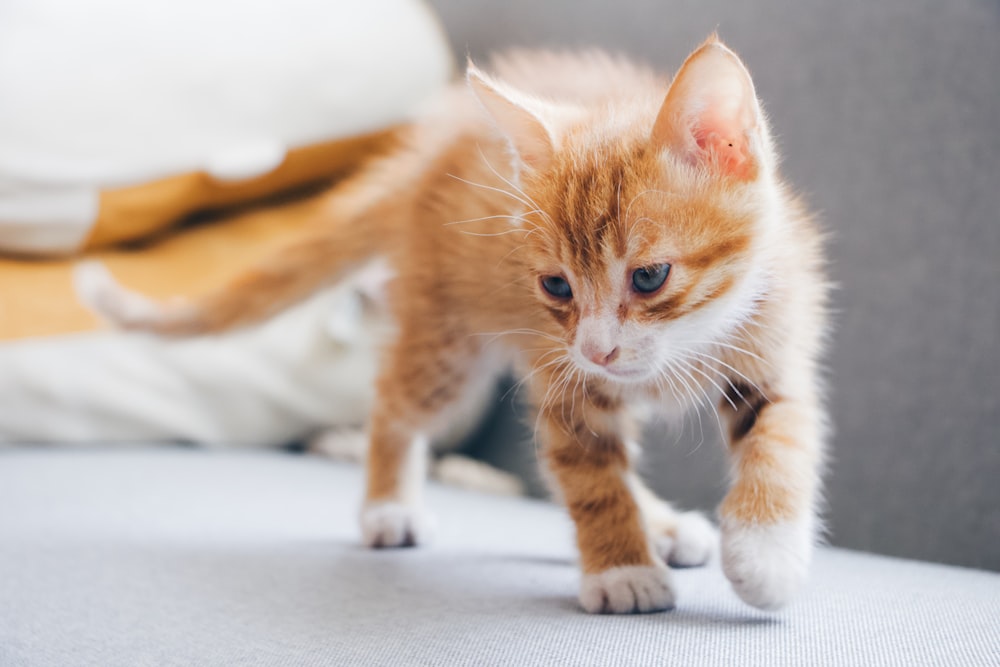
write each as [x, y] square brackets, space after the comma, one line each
[557, 287]
[650, 278]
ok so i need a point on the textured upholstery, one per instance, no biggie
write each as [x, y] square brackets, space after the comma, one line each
[178, 557]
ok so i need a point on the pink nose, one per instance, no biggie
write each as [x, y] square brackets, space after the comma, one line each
[599, 355]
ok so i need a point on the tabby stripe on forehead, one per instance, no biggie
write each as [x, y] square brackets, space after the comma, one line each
[592, 219]
[611, 224]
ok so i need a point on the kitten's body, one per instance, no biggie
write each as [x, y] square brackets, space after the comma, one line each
[597, 182]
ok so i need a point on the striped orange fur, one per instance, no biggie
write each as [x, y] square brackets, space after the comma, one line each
[521, 218]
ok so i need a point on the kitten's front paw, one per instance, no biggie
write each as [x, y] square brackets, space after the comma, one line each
[627, 590]
[392, 524]
[692, 542]
[766, 564]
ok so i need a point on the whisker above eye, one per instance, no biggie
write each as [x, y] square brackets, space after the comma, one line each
[503, 233]
[628, 208]
[518, 217]
[521, 192]
[493, 189]
[507, 256]
[516, 281]
[634, 225]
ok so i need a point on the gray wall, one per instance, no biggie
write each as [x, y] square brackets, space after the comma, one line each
[887, 115]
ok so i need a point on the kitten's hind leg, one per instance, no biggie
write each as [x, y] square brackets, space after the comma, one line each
[682, 539]
[420, 389]
[344, 443]
[467, 473]
[393, 514]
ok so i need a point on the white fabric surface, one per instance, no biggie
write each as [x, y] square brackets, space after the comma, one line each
[106, 93]
[310, 368]
[185, 557]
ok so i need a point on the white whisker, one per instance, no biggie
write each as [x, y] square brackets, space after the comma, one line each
[499, 216]
[750, 382]
[687, 361]
[521, 192]
[492, 189]
[633, 200]
[523, 331]
[735, 349]
[693, 398]
[537, 369]
[512, 230]
[715, 409]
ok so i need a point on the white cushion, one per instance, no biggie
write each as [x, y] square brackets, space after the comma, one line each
[99, 94]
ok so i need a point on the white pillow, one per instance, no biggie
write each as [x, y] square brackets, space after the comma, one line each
[102, 95]
[312, 367]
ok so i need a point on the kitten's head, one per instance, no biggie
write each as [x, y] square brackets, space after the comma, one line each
[647, 237]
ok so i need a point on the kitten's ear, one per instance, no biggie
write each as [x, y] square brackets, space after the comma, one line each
[711, 115]
[519, 117]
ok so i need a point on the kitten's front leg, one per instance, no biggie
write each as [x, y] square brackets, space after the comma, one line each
[768, 516]
[584, 447]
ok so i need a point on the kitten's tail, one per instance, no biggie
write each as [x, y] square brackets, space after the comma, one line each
[283, 279]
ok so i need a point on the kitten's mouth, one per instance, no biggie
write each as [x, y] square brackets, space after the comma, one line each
[633, 374]
[627, 372]
[615, 373]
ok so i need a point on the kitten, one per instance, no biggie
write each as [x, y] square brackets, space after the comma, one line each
[619, 248]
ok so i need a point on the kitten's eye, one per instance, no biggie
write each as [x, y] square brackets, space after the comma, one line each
[650, 278]
[557, 287]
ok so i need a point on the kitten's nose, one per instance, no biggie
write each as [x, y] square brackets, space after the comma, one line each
[599, 355]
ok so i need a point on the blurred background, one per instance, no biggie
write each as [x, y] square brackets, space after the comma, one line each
[885, 114]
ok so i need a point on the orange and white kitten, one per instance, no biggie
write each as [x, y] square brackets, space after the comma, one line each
[620, 248]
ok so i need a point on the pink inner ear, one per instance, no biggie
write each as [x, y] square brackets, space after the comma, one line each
[710, 113]
[723, 141]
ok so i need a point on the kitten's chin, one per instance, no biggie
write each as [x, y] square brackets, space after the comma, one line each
[634, 375]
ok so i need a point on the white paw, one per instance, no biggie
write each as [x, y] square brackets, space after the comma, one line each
[391, 524]
[341, 444]
[766, 564]
[627, 590]
[693, 542]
